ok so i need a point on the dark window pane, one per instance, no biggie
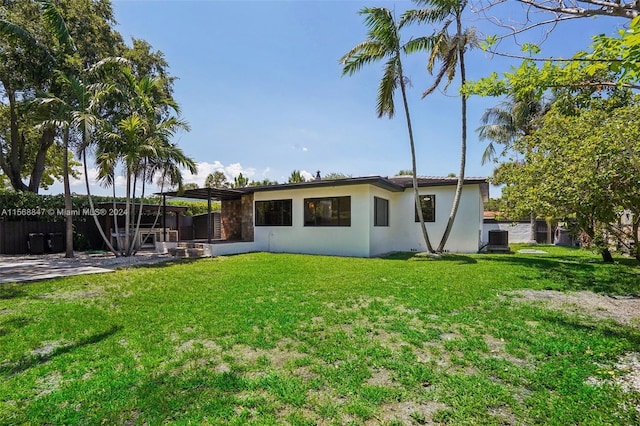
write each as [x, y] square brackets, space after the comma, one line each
[330, 211]
[380, 212]
[428, 204]
[273, 213]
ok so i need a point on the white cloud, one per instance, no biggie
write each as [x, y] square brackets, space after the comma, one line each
[305, 174]
[93, 179]
[231, 171]
[305, 149]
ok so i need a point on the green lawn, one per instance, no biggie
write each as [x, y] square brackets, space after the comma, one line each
[274, 338]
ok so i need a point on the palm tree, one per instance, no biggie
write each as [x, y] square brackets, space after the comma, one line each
[383, 43]
[140, 142]
[78, 119]
[449, 50]
[504, 124]
[296, 177]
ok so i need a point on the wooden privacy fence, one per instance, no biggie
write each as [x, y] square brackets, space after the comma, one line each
[14, 236]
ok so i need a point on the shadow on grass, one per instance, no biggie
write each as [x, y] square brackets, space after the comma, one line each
[569, 273]
[606, 328]
[11, 291]
[166, 263]
[456, 258]
[32, 360]
[13, 324]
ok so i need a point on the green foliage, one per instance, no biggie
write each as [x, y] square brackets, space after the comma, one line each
[585, 163]
[28, 206]
[191, 185]
[404, 173]
[36, 38]
[266, 339]
[216, 179]
[263, 182]
[296, 177]
[240, 181]
[194, 207]
[611, 61]
[335, 175]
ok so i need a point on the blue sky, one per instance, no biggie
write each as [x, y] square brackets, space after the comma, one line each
[261, 86]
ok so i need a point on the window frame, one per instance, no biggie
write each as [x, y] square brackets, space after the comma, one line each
[281, 213]
[341, 210]
[429, 217]
[376, 212]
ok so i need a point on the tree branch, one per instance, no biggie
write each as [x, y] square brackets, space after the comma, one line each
[628, 10]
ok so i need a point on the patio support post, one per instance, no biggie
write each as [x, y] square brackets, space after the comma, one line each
[209, 224]
[164, 217]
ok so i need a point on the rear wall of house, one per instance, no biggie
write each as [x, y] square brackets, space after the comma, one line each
[330, 240]
[465, 235]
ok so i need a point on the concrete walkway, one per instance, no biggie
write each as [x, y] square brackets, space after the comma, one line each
[41, 267]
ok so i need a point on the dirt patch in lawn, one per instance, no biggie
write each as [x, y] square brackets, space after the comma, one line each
[625, 310]
[408, 412]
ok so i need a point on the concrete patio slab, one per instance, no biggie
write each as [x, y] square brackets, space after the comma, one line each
[39, 267]
[41, 270]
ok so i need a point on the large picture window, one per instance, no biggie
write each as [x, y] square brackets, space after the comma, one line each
[428, 204]
[329, 211]
[380, 212]
[273, 213]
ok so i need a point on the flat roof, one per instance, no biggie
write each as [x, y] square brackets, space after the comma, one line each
[393, 184]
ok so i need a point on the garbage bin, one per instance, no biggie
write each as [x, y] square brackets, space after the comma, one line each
[35, 243]
[56, 242]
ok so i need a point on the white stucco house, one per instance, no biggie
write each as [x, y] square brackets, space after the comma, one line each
[362, 217]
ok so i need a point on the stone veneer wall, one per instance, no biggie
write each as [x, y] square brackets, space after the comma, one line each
[247, 217]
[231, 219]
[237, 219]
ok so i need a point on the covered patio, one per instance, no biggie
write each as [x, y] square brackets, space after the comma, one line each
[236, 234]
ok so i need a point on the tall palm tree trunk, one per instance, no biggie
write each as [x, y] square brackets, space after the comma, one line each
[463, 144]
[416, 193]
[91, 205]
[136, 234]
[127, 217]
[68, 205]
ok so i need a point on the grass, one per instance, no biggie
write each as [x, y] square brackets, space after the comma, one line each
[276, 338]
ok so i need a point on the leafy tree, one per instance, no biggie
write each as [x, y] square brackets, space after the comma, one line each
[495, 205]
[584, 162]
[191, 185]
[264, 182]
[404, 173]
[34, 40]
[335, 175]
[383, 43]
[140, 143]
[610, 62]
[449, 50]
[216, 179]
[240, 181]
[296, 177]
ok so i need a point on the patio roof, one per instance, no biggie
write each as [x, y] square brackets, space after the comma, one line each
[207, 193]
